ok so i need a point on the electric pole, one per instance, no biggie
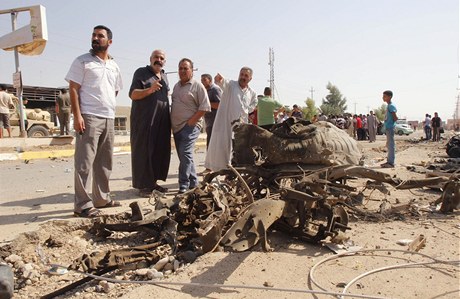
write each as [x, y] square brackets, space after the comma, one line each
[311, 92]
[271, 63]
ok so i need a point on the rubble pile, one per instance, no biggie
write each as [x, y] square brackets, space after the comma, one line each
[310, 199]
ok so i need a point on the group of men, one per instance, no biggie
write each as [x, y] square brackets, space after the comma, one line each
[94, 82]
[432, 127]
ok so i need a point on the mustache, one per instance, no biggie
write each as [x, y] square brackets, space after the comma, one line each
[157, 63]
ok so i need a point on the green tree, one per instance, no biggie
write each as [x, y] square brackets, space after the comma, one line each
[310, 109]
[380, 112]
[333, 103]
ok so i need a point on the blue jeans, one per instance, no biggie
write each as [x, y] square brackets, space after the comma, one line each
[390, 133]
[427, 133]
[185, 144]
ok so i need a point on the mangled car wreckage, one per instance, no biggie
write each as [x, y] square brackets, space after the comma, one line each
[292, 178]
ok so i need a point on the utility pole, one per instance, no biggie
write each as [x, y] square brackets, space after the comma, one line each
[271, 63]
[354, 103]
[22, 131]
[456, 114]
[311, 92]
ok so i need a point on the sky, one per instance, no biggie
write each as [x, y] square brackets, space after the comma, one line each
[363, 47]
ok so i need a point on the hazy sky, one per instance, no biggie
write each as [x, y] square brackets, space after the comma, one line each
[361, 46]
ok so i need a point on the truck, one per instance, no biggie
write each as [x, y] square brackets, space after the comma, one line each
[39, 121]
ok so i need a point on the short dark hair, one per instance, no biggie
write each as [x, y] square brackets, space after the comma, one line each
[63, 90]
[186, 60]
[388, 93]
[207, 76]
[2, 87]
[295, 106]
[267, 91]
[109, 32]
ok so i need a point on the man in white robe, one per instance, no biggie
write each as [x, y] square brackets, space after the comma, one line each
[372, 126]
[238, 100]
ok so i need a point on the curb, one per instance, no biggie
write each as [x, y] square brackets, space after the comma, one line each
[65, 153]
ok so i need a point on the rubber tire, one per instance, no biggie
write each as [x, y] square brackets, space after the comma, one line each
[37, 131]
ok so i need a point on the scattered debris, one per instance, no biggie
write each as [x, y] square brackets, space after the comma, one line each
[453, 147]
[417, 244]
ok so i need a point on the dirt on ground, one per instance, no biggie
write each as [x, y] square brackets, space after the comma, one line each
[293, 268]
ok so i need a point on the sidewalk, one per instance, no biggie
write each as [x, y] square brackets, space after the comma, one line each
[60, 146]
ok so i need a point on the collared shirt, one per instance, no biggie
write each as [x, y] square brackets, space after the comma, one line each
[99, 80]
[5, 102]
[187, 99]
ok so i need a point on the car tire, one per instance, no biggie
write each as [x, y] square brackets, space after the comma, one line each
[37, 131]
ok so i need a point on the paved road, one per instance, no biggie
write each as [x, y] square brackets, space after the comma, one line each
[42, 189]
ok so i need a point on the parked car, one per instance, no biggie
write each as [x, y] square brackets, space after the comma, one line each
[403, 129]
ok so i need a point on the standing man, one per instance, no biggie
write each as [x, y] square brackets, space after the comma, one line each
[427, 127]
[214, 95]
[93, 106]
[296, 112]
[436, 124]
[359, 127]
[266, 106]
[63, 110]
[189, 103]
[238, 100]
[372, 126]
[390, 120]
[150, 126]
[6, 102]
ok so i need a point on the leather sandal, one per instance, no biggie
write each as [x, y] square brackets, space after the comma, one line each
[88, 213]
[111, 204]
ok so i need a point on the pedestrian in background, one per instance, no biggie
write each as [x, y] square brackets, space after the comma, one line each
[266, 107]
[150, 132]
[93, 106]
[296, 112]
[6, 102]
[214, 95]
[63, 111]
[427, 127]
[189, 103]
[372, 126]
[436, 125]
[25, 101]
[390, 120]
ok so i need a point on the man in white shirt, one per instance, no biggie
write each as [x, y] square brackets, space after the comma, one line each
[94, 82]
[238, 100]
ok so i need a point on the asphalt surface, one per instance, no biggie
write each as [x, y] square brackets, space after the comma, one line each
[58, 147]
[40, 189]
